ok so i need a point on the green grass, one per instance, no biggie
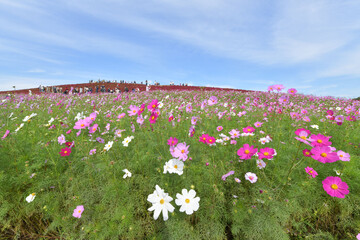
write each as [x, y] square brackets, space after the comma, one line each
[296, 207]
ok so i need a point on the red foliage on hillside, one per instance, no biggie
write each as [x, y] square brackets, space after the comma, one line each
[121, 86]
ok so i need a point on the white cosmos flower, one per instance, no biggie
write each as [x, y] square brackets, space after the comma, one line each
[174, 166]
[160, 203]
[251, 177]
[314, 126]
[263, 140]
[188, 202]
[27, 118]
[108, 145]
[79, 116]
[126, 141]
[30, 198]
[21, 125]
[160, 104]
[338, 108]
[260, 164]
[127, 173]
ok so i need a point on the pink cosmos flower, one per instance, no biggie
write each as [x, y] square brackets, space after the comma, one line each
[226, 175]
[78, 211]
[181, 151]
[292, 91]
[171, 118]
[153, 105]
[172, 151]
[65, 152]
[121, 115]
[78, 133]
[61, 139]
[351, 118]
[251, 177]
[335, 187]
[93, 128]
[219, 128]
[343, 156]
[140, 120]
[311, 171]
[234, 133]
[279, 87]
[133, 110]
[339, 118]
[246, 152]
[6, 134]
[203, 138]
[82, 124]
[271, 88]
[191, 131]
[172, 141]
[284, 99]
[233, 142]
[212, 101]
[194, 120]
[319, 140]
[92, 116]
[68, 132]
[153, 117]
[248, 129]
[298, 131]
[267, 153]
[324, 154]
[92, 151]
[258, 124]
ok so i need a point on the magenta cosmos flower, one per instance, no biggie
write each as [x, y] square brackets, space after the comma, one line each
[267, 153]
[78, 211]
[6, 134]
[319, 140]
[65, 152]
[219, 128]
[141, 109]
[172, 141]
[248, 129]
[335, 187]
[258, 124]
[153, 105]
[203, 138]
[311, 171]
[307, 153]
[210, 140]
[93, 128]
[181, 151]
[324, 155]
[153, 117]
[246, 152]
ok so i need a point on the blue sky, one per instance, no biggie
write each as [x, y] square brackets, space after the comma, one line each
[313, 46]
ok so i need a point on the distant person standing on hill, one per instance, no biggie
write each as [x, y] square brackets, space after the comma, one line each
[146, 82]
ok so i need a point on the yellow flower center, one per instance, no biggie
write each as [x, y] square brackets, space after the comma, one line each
[341, 155]
[319, 141]
[323, 155]
[162, 201]
[247, 151]
[33, 194]
[187, 200]
[134, 111]
[152, 117]
[204, 139]
[251, 177]
[235, 134]
[79, 211]
[82, 125]
[334, 186]
[182, 151]
[175, 166]
[154, 106]
[307, 153]
[303, 137]
[65, 152]
[266, 153]
[310, 171]
[249, 130]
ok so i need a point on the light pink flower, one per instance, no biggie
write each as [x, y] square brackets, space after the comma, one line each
[78, 211]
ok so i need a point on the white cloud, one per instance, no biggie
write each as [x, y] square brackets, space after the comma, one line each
[36, 70]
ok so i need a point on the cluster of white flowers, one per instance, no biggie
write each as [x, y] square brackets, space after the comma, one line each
[245, 134]
[127, 140]
[161, 202]
[79, 116]
[50, 122]
[174, 166]
[264, 140]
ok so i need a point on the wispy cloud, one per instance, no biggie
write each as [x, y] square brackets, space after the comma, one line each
[37, 70]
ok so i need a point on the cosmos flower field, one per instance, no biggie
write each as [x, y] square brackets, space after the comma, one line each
[179, 165]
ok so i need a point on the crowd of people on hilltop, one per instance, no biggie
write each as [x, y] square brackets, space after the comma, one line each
[80, 90]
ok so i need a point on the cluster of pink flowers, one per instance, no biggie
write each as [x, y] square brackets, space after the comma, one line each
[179, 151]
[207, 139]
